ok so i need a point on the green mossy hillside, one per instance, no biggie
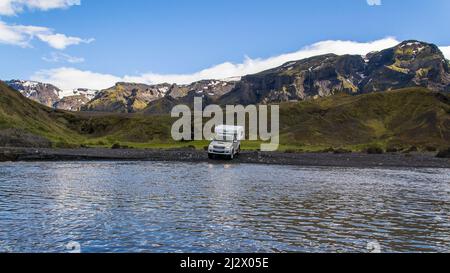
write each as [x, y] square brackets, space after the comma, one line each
[398, 119]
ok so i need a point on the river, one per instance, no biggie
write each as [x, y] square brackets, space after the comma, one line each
[200, 207]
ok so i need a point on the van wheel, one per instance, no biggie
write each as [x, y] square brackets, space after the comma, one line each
[210, 156]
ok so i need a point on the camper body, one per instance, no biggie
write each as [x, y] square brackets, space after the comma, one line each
[227, 141]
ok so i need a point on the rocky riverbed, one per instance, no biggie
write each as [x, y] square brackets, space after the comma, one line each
[419, 160]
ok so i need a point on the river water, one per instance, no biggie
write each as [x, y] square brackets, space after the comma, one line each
[200, 207]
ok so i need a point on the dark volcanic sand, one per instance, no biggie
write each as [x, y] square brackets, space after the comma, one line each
[306, 159]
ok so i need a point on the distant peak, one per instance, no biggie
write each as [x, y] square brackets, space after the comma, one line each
[415, 48]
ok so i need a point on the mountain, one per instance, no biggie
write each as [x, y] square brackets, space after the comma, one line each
[398, 97]
[396, 119]
[43, 93]
[75, 100]
[410, 64]
[51, 96]
[72, 103]
[132, 97]
[209, 90]
[212, 89]
[126, 97]
[392, 119]
[26, 123]
[85, 92]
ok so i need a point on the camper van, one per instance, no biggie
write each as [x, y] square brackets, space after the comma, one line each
[226, 142]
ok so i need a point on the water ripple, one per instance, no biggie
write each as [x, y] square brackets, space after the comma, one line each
[182, 207]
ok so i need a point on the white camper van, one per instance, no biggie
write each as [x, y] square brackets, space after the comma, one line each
[227, 141]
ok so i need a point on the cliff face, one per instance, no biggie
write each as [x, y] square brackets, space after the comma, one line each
[410, 64]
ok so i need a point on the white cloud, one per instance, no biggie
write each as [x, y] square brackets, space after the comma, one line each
[446, 51]
[20, 35]
[58, 57]
[70, 78]
[61, 41]
[374, 2]
[12, 7]
[12, 35]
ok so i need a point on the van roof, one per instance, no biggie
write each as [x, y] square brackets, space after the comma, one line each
[229, 128]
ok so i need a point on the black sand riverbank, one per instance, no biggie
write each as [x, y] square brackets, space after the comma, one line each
[307, 159]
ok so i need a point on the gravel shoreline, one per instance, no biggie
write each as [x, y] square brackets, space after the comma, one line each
[307, 159]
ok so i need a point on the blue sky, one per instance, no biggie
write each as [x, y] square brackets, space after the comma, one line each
[93, 43]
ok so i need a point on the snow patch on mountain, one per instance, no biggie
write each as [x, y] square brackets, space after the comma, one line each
[89, 93]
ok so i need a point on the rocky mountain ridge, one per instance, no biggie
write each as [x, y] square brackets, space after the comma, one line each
[132, 97]
[409, 64]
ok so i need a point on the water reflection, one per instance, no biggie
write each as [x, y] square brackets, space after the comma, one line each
[177, 207]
